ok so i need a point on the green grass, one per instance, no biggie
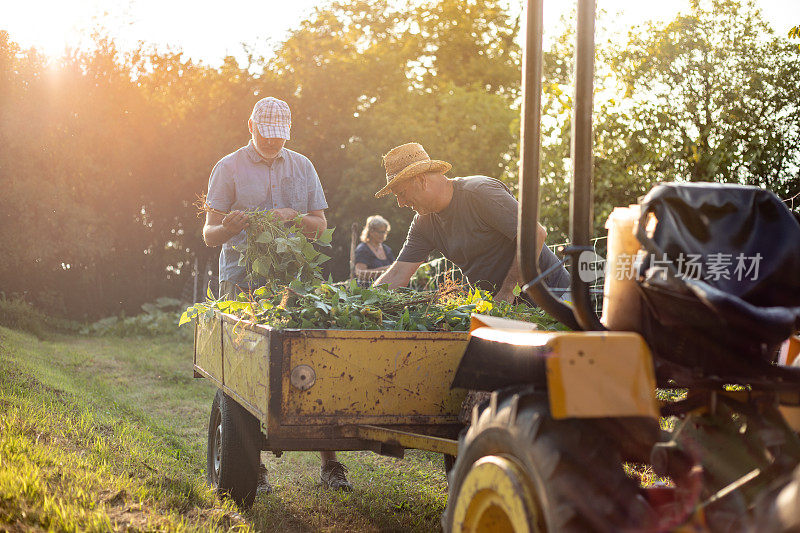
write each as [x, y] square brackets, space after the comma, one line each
[105, 433]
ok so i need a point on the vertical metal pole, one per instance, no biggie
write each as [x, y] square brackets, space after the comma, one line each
[582, 161]
[528, 219]
[195, 273]
[354, 235]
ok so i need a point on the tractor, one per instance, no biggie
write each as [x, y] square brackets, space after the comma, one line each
[690, 378]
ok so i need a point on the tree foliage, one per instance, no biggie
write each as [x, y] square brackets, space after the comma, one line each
[684, 100]
[717, 97]
[103, 152]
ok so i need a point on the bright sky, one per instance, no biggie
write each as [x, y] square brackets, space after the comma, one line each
[209, 31]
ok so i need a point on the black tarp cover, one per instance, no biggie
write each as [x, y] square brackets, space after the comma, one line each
[756, 300]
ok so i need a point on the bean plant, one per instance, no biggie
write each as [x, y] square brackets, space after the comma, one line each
[349, 306]
[279, 252]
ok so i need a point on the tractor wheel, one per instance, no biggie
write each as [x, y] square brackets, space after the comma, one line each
[519, 470]
[234, 452]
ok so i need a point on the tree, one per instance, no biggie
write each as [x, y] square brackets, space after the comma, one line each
[794, 33]
[362, 77]
[683, 100]
[469, 43]
[715, 95]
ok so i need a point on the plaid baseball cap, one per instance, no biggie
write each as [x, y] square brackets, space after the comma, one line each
[272, 118]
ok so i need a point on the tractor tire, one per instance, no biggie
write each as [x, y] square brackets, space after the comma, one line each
[234, 452]
[520, 470]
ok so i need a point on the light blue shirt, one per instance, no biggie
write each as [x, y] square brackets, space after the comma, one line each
[243, 181]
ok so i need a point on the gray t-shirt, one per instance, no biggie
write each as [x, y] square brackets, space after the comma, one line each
[477, 232]
[243, 180]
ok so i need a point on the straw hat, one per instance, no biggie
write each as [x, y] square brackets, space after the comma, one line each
[405, 162]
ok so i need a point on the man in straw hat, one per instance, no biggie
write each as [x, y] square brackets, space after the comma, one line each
[265, 175]
[471, 220]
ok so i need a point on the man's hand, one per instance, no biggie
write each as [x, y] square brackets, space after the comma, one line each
[513, 276]
[398, 274]
[234, 222]
[285, 213]
[220, 228]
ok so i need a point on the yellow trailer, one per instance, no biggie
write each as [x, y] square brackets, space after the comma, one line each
[279, 390]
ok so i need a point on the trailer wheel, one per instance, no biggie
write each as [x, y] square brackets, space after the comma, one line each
[234, 452]
[449, 461]
[519, 470]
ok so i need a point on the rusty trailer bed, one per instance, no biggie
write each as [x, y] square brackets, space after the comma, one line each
[315, 389]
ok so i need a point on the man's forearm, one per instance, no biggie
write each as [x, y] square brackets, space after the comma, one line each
[216, 235]
[313, 225]
[391, 279]
[398, 274]
[513, 277]
[541, 237]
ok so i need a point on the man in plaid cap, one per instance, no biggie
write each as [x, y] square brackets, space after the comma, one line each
[264, 175]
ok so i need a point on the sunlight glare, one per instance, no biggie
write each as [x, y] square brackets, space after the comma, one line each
[48, 26]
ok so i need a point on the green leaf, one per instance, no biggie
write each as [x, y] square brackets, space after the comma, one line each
[297, 286]
[308, 251]
[265, 237]
[326, 237]
[261, 267]
[184, 318]
[238, 306]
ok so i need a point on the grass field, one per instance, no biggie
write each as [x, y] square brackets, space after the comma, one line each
[102, 434]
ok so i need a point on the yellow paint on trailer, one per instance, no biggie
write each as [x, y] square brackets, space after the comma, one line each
[407, 439]
[208, 346]
[246, 364]
[600, 374]
[373, 377]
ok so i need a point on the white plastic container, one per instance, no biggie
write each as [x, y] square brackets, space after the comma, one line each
[622, 305]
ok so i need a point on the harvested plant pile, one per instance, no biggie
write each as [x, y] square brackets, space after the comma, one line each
[348, 306]
[295, 295]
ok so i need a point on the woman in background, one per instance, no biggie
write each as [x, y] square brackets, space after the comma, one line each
[372, 255]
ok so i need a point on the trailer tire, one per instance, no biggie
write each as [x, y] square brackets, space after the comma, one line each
[234, 453]
[449, 461]
[520, 470]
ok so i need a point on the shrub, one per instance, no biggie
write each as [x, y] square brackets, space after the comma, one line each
[16, 313]
[158, 319]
